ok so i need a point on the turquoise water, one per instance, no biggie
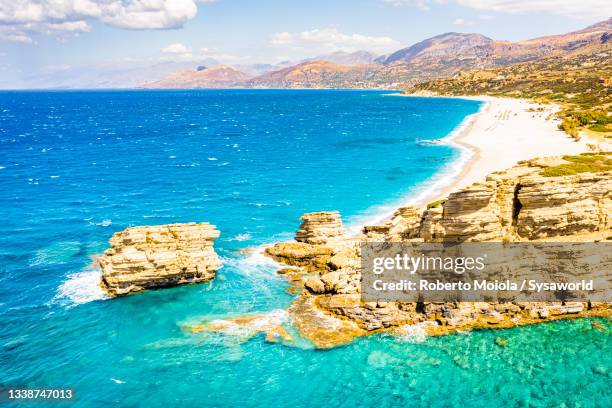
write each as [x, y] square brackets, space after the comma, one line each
[77, 166]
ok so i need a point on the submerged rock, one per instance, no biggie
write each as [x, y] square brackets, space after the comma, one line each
[148, 257]
[246, 327]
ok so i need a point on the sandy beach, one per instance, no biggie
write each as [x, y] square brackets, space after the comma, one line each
[504, 132]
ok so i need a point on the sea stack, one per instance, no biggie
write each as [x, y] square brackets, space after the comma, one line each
[319, 227]
[147, 257]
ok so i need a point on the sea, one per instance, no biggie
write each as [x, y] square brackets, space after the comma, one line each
[78, 166]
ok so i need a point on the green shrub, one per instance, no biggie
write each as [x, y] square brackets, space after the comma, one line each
[570, 126]
[598, 127]
[435, 204]
[584, 163]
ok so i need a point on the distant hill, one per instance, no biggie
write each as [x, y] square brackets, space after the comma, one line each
[444, 47]
[346, 58]
[580, 82]
[222, 76]
[447, 54]
[441, 56]
[316, 74]
[573, 70]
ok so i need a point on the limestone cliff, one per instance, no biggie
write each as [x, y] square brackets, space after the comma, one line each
[147, 257]
[552, 199]
[523, 204]
[320, 227]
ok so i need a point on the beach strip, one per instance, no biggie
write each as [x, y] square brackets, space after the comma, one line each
[504, 132]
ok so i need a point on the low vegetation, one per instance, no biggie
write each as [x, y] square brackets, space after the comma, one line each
[600, 128]
[581, 84]
[435, 204]
[584, 163]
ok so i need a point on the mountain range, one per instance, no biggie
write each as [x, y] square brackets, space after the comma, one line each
[436, 57]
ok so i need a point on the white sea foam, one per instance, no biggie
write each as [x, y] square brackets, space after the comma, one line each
[105, 223]
[255, 264]
[413, 333]
[81, 287]
[241, 237]
[56, 253]
[431, 142]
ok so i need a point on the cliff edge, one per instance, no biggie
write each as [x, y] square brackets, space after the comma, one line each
[565, 198]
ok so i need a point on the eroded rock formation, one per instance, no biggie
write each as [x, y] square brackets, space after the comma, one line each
[320, 227]
[519, 204]
[149, 257]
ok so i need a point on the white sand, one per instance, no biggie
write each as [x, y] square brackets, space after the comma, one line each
[503, 133]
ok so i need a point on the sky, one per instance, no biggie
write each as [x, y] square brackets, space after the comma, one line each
[46, 43]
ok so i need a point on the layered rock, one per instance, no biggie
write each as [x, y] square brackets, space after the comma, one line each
[320, 227]
[405, 223]
[147, 257]
[309, 257]
[519, 204]
[472, 214]
[431, 226]
[564, 205]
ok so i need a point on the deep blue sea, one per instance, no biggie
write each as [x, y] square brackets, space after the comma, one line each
[77, 166]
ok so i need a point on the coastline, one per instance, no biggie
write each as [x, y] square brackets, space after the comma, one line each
[503, 132]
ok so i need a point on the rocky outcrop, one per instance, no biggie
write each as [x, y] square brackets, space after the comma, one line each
[309, 257]
[405, 223]
[521, 204]
[471, 214]
[431, 227]
[564, 205]
[149, 257]
[320, 227]
[525, 203]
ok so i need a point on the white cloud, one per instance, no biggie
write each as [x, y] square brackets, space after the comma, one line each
[283, 38]
[56, 68]
[176, 48]
[15, 37]
[462, 22]
[19, 20]
[221, 56]
[181, 52]
[421, 4]
[330, 39]
[571, 8]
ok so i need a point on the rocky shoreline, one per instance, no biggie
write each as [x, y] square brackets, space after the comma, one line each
[526, 203]
[554, 199]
